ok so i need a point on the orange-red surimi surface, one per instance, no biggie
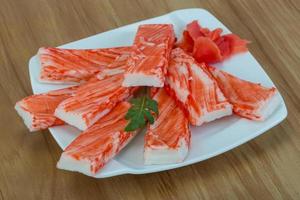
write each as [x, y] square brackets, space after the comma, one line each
[170, 125]
[149, 59]
[167, 140]
[249, 100]
[93, 148]
[76, 65]
[37, 110]
[118, 66]
[195, 89]
[93, 100]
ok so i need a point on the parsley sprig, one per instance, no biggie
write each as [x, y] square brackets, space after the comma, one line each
[141, 111]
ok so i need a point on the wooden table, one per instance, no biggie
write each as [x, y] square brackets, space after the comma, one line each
[265, 168]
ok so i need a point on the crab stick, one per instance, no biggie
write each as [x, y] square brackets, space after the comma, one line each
[37, 110]
[250, 100]
[93, 100]
[167, 141]
[149, 59]
[94, 147]
[195, 89]
[76, 65]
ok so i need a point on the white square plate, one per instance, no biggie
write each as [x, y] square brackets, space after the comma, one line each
[208, 140]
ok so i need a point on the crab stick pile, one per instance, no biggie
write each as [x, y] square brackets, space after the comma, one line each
[194, 87]
[183, 84]
[93, 100]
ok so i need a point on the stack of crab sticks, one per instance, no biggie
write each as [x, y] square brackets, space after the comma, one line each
[184, 84]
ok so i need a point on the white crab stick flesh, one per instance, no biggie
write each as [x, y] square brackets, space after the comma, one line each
[93, 148]
[93, 100]
[76, 65]
[149, 59]
[167, 141]
[250, 100]
[195, 89]
[37, 111]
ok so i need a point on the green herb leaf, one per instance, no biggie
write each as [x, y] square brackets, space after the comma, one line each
[140, 112]
[130, 113]
[148, 115]
[152, 105]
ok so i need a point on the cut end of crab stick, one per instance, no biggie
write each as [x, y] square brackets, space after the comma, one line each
[149, 58]
[195, 89]
[78, 118]
[270, 106]
[249, 100]
[93, 100]
[93, 148]
[136, 79]
[26, 116]
[69, 163]
[91, 164]
[37, 111]
[167, 140]
[36, 121]
[165, 155]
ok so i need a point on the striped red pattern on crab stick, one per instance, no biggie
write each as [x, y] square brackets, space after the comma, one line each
[93, 148]
[76, 65]
[195, 89]
[37, 110]
[167, 140]
[250, 100]
[149, 59]
[93, 100]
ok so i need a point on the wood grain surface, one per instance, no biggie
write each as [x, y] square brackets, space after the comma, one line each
[265, 168]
